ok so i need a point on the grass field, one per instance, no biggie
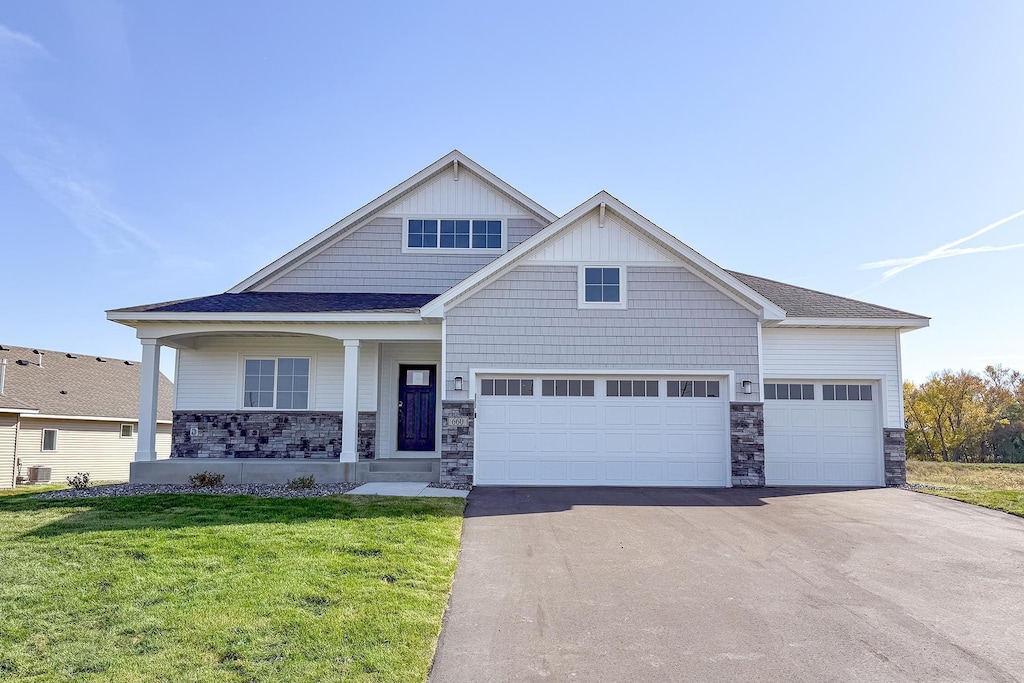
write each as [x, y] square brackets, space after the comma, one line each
[1000, 487]
[223, 588]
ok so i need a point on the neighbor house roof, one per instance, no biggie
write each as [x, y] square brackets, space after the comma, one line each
[60, 383]
[800, 302]
[288, 302]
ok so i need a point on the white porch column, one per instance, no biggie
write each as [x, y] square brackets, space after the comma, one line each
[149, 388]
[350, 419]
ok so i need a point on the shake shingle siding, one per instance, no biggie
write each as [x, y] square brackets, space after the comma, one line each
[529, 319]
[371, 260]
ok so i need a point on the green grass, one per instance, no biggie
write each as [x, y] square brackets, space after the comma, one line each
[996, 486]
[223, 588]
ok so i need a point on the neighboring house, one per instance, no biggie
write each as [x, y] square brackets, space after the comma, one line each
[455, 328]
[72, 413]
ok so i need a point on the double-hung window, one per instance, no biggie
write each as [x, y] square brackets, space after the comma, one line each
[281, 383]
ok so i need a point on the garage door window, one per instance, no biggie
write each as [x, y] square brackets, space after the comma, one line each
[699, 388]
[846, 392]
[632, 387]
[792, 392]
[506, 387]
[567, 387]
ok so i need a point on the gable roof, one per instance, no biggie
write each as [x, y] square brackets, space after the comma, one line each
[287, 302]
[357, 218]
[801, 302]
[703, 267]
[93, 388]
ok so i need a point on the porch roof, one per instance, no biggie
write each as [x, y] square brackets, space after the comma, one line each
[288, 302]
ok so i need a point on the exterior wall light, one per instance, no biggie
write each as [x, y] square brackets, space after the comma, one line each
[748, 386]
[458, 384]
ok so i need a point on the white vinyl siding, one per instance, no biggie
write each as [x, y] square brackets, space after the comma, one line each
[391, 356]
[445, 196]
[209, 377]
[372, 259]
[529, 318]
[91, 446]
[587, 242]
[811, 353]
[8, 435]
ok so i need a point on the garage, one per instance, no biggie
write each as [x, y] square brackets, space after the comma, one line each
[822, 433]
[545, 430]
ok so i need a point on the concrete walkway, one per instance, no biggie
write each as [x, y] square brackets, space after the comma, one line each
[752, 585]
[406, 489]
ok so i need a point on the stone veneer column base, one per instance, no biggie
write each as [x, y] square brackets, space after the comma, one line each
[367, 446]
[746, 438]
[894, 446]
[457, 442]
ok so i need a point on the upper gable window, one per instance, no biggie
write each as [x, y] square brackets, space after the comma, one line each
[469, 234]
[602, 287]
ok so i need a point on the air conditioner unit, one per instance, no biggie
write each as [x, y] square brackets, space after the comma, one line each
[39, 475]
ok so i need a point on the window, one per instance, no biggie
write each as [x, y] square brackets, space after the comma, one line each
[127, 431]
[49, 440]
[789, 392]
[290, 391]
[631, 387]
[697, 388]
[506, 387]
[567, 387]
[461, 233]
[846, 392]
[601, 286]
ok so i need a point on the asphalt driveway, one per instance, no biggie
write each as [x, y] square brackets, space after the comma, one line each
[754, 585]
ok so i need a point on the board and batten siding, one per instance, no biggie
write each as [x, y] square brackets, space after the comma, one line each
[529, 318]
[8, 437]
[209, 377]
[391, 356]
[813, 353]
[371, 260]
[443, 195]
[92, 446]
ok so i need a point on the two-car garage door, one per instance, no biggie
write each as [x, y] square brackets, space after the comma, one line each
[601, 431]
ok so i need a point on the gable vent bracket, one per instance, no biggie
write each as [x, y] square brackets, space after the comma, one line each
[456, 170]
[600, 218]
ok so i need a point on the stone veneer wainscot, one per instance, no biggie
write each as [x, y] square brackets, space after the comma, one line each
[457, 443]
[894, 445]
[746, 437]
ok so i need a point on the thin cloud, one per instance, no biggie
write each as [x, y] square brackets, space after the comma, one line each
[11, 39]
[898, 265]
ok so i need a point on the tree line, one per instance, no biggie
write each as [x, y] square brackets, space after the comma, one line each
[966, 417]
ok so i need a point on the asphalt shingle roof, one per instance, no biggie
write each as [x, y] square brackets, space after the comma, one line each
[101, 389]
[288, 302]
[800, 302]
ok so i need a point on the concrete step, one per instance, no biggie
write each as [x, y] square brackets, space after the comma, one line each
[401, 465]
[398, 470]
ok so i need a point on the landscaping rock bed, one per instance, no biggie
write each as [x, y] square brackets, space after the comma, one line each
[454, 487]
[922, 487]
[257, 490]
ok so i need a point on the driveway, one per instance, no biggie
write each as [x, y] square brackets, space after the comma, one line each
[730, 584]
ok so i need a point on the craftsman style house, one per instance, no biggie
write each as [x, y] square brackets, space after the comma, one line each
[455, 329]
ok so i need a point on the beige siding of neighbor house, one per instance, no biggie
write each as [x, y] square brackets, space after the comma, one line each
[210, 376]
[93, 446]
[8, 436]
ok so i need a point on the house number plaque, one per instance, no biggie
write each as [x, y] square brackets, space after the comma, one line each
[458, 421]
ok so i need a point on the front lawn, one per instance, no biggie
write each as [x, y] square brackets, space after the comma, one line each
[996, 486]
[223, 588]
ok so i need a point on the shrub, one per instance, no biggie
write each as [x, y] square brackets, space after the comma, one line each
[302, 482]
[80, 481]
[205, 480]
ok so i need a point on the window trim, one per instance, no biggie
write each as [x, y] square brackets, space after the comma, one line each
[581, 281]
[131, 429]
[276, 358]
[42, 440]
[406, 249]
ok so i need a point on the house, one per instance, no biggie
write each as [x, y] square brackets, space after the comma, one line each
[453, 328]
[72, 413]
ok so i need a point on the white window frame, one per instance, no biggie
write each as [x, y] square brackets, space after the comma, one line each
[131, 430]
[406, 249]
[275, 358]
[581, 284]
[42, 441]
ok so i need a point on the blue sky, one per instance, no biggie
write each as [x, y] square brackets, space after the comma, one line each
[154, 150]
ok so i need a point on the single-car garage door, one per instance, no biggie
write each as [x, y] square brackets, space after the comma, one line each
[601, 431]
[822, 433]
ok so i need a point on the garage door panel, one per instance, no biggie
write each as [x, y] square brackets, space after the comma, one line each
[579, 440]
[803, 417]
[862, 473]
[862, 418]
[776, 416]
[777, 443]
[834, 418]
[803, 444]
[805, 472]
[836, 472]
[835, 445]
[862, 445]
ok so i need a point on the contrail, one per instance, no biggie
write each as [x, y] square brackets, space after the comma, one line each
[898, 265]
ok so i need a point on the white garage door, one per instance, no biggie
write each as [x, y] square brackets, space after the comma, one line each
[823, 433]
[601, 431]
